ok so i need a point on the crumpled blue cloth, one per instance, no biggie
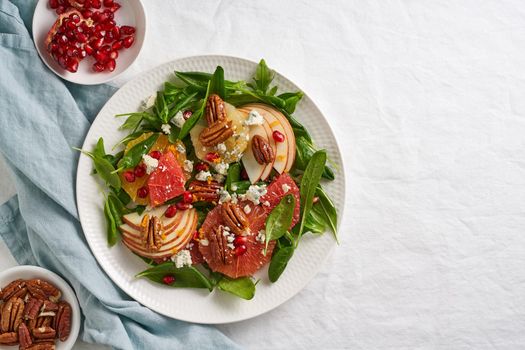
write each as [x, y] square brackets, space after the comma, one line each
[41, 119]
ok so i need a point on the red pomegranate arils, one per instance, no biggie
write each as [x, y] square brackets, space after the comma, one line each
[127, 30]
[128, 41]
[98, 67]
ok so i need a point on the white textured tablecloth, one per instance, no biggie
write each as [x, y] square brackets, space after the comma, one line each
[427, 99]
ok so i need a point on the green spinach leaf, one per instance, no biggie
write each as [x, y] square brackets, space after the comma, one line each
[280, 219]
[279, 261]
[185, 277]
[242, 287]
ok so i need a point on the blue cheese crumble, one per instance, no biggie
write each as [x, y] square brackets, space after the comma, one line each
[182, 258]
[150, 162]
[254, 118]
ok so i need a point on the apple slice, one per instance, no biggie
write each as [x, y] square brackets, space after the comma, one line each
[174, 239]
[288, 131]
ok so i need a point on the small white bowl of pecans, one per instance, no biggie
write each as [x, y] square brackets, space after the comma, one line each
[38, 310]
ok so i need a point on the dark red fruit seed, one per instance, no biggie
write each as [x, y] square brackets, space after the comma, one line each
[240, 240]
[244, 174]
[96, 4]
[114, 8]
[89, 50]
[201, 167]
[278, 136]
[210, 157]
[127, 30]
[60, 10]
[108, 3]
[196, 235]
[117, 45]
[53, 4]
[129, 176]
[140, 170]
[171, 211]
[72, 65]
[110, 65]
[187, 197]
[240, 250]
[101, 56]
[87, 14]
[113, 55]
[182, 206]
[142, 192]
[186, 114]
[82, 38]
[97, 43]
[98, 67]
[168, 279]
[128, 41]
[155, 154]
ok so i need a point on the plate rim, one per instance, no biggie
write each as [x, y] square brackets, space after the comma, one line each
[341, 210]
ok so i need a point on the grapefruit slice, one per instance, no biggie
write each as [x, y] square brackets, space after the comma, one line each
[167, 181]
[281, 186]
[246, 264]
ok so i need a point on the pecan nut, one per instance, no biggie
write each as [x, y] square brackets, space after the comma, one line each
[16, 288]
[45, 332]
[216, 133]
[24, 338]
[63, 321]
[203, 191]
[262, 151]
[32, 308]
[49, 306]
[41, 321]
[43, 290]
[42, 346]
[9, 338]
[215, 110]
[219, 246]
[234, 217]
[152, 237]
[12, 313]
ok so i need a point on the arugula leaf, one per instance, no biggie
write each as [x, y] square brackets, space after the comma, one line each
[217, 82]
[182, 104]
[111, 226]
[132, 122]
[326, 211]
[290, 100]
[185, 277]
[161, 108]
[263, 77]
[242, 287]
[99, 150]
[104, 169]
[309, 183]
[280, 219]
[304, 152]
[279, 261]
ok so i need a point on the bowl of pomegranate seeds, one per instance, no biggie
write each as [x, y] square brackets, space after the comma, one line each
[89, 41]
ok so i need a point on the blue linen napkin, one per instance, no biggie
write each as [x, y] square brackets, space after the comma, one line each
[41, 119]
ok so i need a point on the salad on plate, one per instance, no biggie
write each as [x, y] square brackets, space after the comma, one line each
[215, 180]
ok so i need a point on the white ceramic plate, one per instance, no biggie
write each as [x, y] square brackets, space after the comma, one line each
[29, 272]
[121, 265]
[131, 13]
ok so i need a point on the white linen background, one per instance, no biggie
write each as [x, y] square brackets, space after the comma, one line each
[427, 100]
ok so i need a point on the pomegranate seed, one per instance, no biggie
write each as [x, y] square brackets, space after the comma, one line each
[186, 114]
[168, 279]
[115, 31]
[127, 30]
[102, 17]
[111, 65]
[182, 206]
[108, 3]
[53, 4]
[98, 67]
[210, 157]
[129, 176]
[240, 250]
[97, 43]
[117, 45]
[278, 136]
[96, 4]
[113, 55]
[82, 54]
[54, 47]
[89, 49]
[240, 240]
[70, 35]
[201, 167]
[60, 10]
[155, 154]
[196, 235]
[142, 192]
[101, 56]
[81, 37]
[74, 18]
[62, 39]
[171, 211]
[140, 170]
[187, 197]
[244, 174]
[114, 8]
[95, 16]
[72, 66]
[87, 14]
[128, 41]
[109, 15]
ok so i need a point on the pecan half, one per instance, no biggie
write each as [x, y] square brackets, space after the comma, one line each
[63, 321]
[262, 151]
[44, 333]
[32, 308]
[9, 338]
[216, 133]
[12, 313]
[42, 346]
[152, 234]
[49, 306]
[203, 191]
[43, 290]
[13, 289]
[41, 321]
[219, 245]
[234, 217]
[24, 337]
[215, 111]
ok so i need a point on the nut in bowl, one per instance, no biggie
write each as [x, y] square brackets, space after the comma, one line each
[39, 310]
[89, 41]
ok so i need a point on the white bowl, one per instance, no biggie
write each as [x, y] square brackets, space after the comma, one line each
[131, 13]
[29, 272]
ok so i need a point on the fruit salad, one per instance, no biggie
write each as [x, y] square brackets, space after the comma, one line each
[215, 180]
